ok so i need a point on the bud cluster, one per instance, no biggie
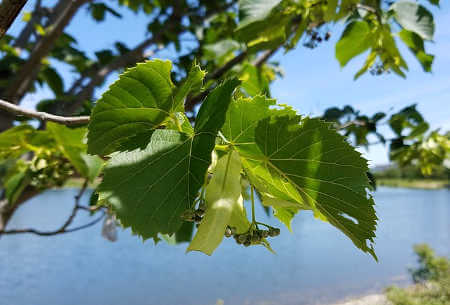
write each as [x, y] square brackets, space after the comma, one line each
[49, 169]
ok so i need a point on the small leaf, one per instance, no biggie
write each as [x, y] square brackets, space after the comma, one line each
[416, 45]
[222, 194]
[415, 18]
[13, 141]
[193, 83]
[53, 80]
[355, 39]
[16, 180]
[369, 63]
[255, 10]
[71, 143]
[135, 105]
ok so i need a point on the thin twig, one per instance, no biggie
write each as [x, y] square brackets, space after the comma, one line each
[64, 228]
[43, 116]
[350, 123]
[56, 232]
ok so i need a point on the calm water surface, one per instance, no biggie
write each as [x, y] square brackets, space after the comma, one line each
[315, 264]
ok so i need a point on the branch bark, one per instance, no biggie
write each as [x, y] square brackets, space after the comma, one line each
[9, 9]
[27, 74]
[42, 116]
[97, 77]
[26, 33]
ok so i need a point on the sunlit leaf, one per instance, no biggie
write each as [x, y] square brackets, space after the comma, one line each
[415, 18]
[149, 189]
[355, 39]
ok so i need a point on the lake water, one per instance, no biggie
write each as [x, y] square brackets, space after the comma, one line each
[315, 264]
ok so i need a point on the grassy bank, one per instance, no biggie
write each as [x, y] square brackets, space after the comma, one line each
[413, 183]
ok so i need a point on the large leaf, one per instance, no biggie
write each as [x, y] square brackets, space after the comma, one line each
[136, 104]
[327, 172]
[415, 18]
[239, 129]
[149, 189]
[222, 194]
[355, 39]
[70, 141]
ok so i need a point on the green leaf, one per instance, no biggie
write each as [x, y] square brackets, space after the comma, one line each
[434, 2]
[193, 83]
[355, 39]
[53, 80]
[184, 234]
[255, 10]
[369, 63]
[327, 172]
[222, 194]
[253, 81]
[13, 141]
[239, 129]
[149, 189]
[71, 143]
[220, 49]
[416, 45]
[135, 105]
[16, 180]
[415, 18]
[181, 123]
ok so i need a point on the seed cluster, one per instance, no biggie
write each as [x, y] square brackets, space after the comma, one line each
[195, 215]
[253, 236]
[315, 38]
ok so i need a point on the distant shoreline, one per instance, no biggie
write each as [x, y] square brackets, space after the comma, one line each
[427, 184]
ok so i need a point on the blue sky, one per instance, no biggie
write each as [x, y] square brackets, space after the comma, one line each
[313, 79]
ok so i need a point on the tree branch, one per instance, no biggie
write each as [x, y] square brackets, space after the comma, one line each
[43, 116]
[64, 227]
[9, 9]
[56, 232]
[350, 123]
[28, 72]
[24, 36]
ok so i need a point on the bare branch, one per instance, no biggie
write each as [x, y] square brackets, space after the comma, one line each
[64, 227]
[56, 232]
[350, 123]
[43, 116]
[9, 9]
[28, 72]
[24, 36]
